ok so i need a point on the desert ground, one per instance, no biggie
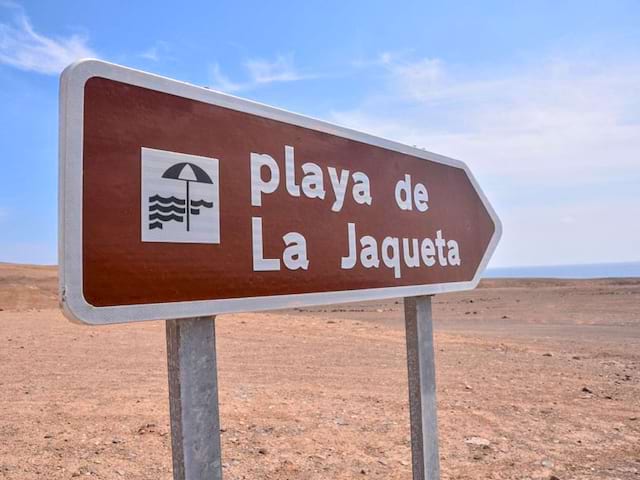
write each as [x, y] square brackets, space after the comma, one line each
[536, 379]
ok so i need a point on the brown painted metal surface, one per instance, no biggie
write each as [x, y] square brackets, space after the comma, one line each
[120, 269]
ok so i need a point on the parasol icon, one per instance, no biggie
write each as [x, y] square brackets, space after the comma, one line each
[187, 172]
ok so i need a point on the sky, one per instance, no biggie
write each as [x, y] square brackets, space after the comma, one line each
[541, 99]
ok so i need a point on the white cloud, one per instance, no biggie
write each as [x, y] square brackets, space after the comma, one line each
[279, 70]
[219, 81]
[420, 78]
[260, 72]
[22, 47]
[151, 54]
[380, 60]
[159, 51]
[561, 121]
[541, 137]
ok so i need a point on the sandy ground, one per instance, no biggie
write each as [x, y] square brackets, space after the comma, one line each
[546, 375]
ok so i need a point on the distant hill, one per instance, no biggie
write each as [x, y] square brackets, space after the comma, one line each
[24, 287]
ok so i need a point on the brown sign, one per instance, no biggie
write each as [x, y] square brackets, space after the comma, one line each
[179, 201]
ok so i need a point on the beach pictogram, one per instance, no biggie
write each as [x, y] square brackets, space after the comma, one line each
[180, 197]
[172, 209]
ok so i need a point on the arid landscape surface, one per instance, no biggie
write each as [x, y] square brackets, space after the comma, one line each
[537, 379]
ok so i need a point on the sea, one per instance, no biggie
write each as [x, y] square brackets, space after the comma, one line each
[592, 270]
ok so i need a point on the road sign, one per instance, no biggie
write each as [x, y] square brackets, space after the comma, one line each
[178, 201]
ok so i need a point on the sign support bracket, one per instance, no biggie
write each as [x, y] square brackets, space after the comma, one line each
[193, 399]
[422, 388]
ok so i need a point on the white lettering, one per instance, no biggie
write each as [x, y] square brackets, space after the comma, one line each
[453, 255]
[421, 197]
[391, 260]
[290, 172]
[393, 250]
[369, 253]
[261, 264]
[428, 251]
[313, 181]
[361, 190]
[295, 255]
[349, 261]
[411, 259]
[339, 187]
[440, 243]
[258, 185]
[403, 189]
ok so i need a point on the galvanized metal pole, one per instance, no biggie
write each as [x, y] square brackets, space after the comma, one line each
[422, 388]
[193, 399]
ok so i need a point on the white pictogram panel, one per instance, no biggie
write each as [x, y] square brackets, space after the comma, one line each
[179, 198]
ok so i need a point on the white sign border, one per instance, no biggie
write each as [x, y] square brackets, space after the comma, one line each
[73, 303]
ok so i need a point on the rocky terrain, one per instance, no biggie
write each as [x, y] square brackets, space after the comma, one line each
[537, 379]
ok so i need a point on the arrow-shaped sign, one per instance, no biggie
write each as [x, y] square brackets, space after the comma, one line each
[309, 212]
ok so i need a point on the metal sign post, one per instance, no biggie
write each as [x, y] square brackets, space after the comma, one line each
[193, 395]
[422, 388]
[193, 399]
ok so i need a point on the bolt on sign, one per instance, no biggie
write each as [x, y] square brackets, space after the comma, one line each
[179, 201]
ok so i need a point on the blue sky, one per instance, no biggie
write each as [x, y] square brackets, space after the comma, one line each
[540, 98]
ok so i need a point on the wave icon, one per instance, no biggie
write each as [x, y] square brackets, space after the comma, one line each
[172, 209]
[201, 203]
[165, 200]
[165, 209]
